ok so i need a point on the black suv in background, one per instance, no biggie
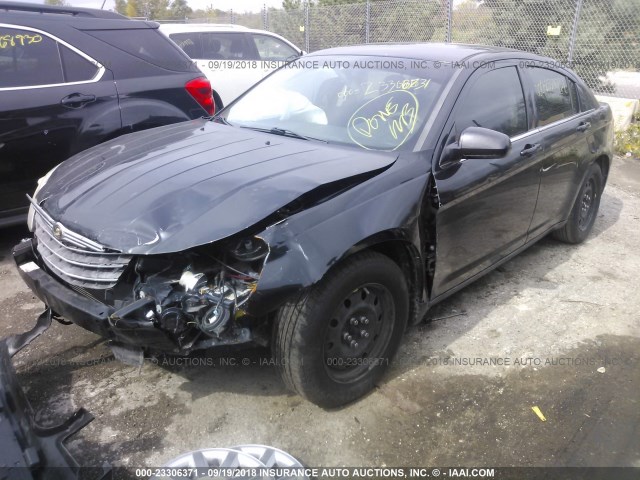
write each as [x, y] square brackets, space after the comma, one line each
[71, 78]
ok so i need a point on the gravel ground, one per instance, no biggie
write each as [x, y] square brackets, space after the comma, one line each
[560, 324]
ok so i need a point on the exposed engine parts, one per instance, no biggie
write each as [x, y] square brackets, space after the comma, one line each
[193, 296]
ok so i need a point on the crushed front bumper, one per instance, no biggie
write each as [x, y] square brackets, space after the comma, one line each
[103, 319]
[83, 311]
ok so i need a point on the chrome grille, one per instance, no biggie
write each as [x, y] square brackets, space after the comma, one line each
[71, 260]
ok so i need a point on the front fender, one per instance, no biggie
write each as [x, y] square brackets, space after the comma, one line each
[304, 247]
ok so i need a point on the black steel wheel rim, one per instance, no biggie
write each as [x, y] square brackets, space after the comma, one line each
[587, 204]
[358, 333]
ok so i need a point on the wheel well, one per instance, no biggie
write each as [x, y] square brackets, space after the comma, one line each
[604, 162]
[405, 256]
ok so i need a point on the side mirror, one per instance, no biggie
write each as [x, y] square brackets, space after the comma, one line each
[478, 142]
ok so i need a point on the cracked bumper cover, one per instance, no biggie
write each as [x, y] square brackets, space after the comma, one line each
[89, 313]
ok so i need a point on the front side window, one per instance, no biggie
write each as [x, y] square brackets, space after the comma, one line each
[271, 48]
[368, 102]
[28, 59]
[494, 101]
[226, 46]
[555, 95]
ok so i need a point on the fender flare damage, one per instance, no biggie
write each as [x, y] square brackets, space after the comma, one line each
[303, 250]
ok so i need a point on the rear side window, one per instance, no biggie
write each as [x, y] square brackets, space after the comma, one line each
[494, 101]
[555, 95]
[76, 68]
[190, 43]
[271, 48]
[227, 46]
[28, 59]
[587, 100]
[147, 44]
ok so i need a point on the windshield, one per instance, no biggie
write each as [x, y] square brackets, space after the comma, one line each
[376, 103]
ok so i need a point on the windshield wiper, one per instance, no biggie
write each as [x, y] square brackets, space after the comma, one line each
[220, 120]
[283, 132]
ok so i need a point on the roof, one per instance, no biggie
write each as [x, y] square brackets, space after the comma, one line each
[444, 52]
[170, 28]
[66, 11]
[47, 17]
[200, 27]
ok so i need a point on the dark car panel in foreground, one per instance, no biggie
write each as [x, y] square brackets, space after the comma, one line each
[323, 210]
[29, 450]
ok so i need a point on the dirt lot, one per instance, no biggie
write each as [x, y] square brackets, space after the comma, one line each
[553, 317]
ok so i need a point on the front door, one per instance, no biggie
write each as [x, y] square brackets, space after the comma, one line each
[486, 205]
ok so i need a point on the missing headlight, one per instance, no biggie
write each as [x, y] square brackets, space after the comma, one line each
[197, 294]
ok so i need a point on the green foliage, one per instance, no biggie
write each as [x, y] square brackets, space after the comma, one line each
[607, 36]
[288, 23]
[121, 7]
[154, 9]
[627, 142]
[289, 5]
[326, 3]
[59, 3]
[179, 9]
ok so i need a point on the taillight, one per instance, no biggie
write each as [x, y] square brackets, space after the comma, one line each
[200, 90]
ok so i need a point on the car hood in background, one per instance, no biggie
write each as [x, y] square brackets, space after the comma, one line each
[176, 187]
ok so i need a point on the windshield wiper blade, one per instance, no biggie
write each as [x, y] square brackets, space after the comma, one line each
[221, 120]
[284, 132]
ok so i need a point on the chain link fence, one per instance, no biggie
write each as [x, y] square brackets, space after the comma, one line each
[600, 39]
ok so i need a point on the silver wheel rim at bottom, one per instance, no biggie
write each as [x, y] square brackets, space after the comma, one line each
[238, 457]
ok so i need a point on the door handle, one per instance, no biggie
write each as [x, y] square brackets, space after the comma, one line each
[77, 100]
[583, 126]
[530, 149]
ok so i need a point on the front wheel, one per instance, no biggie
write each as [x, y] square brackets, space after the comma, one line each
[585, 209]
[333, 344]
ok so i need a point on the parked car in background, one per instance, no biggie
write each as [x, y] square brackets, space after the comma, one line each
[71, 78]
[324, 210]
[232, 57]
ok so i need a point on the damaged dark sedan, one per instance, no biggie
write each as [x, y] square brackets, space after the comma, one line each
[323, 211]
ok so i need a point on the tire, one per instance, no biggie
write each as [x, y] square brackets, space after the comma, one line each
[585, 210]
[312, 348]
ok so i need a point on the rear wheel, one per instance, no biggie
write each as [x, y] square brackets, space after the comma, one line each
[585, 210]
[336, 340]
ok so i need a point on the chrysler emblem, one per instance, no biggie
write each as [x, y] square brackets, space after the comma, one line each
[57, 231]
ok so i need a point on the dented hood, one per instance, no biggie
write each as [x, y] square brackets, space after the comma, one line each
[172, 188]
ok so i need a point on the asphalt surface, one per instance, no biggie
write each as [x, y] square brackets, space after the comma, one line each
[558, 327]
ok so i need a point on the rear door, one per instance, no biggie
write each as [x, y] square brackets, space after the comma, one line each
[486, 205]
[563, 131]
[55, 101]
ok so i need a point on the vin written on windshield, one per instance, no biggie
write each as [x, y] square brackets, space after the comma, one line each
[340, 101]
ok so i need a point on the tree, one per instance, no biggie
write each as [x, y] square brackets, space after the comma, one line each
[289, 5]
[179, 9]
[328, 3]
[131, 9]
[121, 7]
[151, 9]
[59, 3]
[607, 35]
